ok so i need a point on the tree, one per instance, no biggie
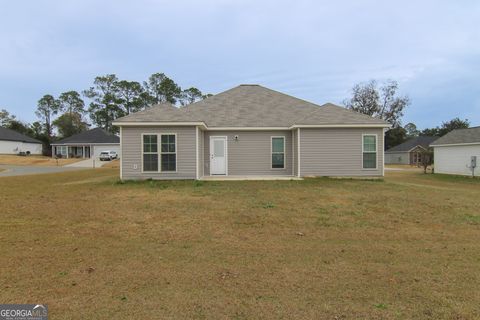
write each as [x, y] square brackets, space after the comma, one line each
[71, 102]
[47, 107]
[19, 126]
[431, 132]
[453, 124]
[411, 130]
[381, 102]
[105, 105]
[395, 136]
[5, 118]
[70, 123]
[38, 130]
[131, 96]
[446, 127]
[427, 158]
[161, 88]
[190, 96]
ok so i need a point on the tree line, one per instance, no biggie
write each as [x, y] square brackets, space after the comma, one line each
[383, 101]
[110, 98]
[106, 100]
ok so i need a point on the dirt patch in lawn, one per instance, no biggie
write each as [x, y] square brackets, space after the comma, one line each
[86, 244]
[34, 160]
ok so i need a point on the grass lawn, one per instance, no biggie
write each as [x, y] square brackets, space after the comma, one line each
[407, 247]
[34, 160]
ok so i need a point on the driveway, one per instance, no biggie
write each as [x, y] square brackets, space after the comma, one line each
[87, 163]
[11, 170]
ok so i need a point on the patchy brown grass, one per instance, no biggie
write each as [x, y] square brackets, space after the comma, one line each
[407, 247]
[34, 160]
[112, 164]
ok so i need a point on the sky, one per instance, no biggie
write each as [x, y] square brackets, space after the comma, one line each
[314, 50]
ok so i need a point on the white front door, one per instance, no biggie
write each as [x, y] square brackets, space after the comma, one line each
[218, 155]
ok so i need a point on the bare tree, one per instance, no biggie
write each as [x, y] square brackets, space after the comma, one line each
[427, 159]
[382, 102]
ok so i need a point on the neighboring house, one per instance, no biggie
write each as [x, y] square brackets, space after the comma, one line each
[13, 142]
[86, 144]
[409, 152]
[454, 151]
[250, 131]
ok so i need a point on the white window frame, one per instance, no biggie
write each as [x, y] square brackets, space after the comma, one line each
[157, 153]
[271, 153]
[160, 152]
[376, 150]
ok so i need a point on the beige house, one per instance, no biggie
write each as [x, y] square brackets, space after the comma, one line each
[250, 131]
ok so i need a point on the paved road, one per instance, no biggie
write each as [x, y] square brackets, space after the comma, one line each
[87, 163]
[11, 170]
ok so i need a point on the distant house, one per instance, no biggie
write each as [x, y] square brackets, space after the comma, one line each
[454, 151]
[86, 144]
[250, 131]
[409, 152]
[13, 142]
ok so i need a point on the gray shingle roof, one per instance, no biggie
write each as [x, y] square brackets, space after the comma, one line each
[92, 136]
[11, 135]
[470, 135]
[423, 141]
[253, 106]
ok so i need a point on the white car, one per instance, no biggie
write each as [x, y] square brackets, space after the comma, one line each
[108, 155]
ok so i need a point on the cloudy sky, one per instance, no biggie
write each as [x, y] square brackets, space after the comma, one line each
[315, 50]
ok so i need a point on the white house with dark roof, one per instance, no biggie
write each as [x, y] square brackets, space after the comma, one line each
[455, 151]
[13, 142]
[87, 144]
[250, 131]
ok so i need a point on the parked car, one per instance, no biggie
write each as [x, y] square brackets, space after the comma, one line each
[108, 155]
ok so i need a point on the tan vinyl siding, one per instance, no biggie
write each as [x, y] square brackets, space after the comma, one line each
[337, 152]
[295, 151]
[132, 152]
[251, 154]
[201, 134]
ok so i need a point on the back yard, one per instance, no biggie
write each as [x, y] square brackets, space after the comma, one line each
[90, 247]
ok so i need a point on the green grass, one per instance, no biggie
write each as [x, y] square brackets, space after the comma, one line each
[92, 247]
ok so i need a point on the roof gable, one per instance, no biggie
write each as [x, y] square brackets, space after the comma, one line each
[253, 106]
[12, 135]
[93, 136]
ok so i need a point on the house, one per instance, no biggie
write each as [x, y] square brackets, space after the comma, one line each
[455, 152]
[250, 131]
[409, 152]
[86, 144]
[13, 142]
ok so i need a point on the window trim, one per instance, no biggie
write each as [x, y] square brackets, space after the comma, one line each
[284, 153]
[376, 150]
[158, 153]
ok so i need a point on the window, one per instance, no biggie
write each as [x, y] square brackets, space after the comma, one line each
[369, 151]
[150, 153]
[278, 152]
[169, 152]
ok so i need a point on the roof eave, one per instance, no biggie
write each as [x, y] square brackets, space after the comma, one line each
[360, 125]
[455, 144]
